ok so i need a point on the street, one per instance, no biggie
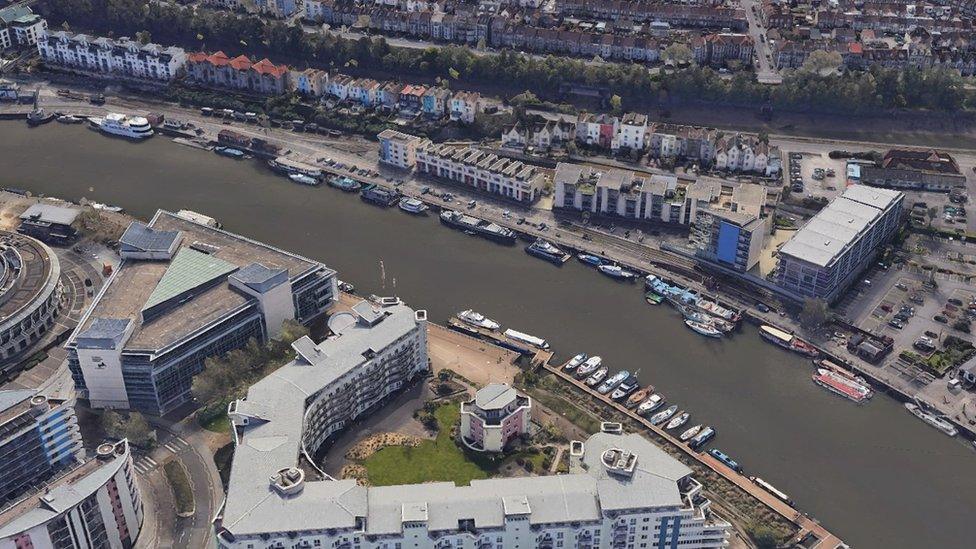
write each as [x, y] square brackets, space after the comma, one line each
[766, 71]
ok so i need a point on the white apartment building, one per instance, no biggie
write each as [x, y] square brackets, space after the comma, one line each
[826, 255]
[315, 10]
[463, 106]
[19, 26]
[110, 58]
[309, 82]
[482, 170]
[95, 504]
[633, 131]
[621, 491]
[398, 149]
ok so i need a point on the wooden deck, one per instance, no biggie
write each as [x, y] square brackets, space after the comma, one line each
[807, 526]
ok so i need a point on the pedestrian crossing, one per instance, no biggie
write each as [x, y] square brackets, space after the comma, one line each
[146, 464]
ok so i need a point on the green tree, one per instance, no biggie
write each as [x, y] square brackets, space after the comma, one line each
[932, 213]
[815, 313]
[615, 103]
[822, 63]
[677, 54]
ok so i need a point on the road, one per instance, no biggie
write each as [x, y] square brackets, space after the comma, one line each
[766, 72]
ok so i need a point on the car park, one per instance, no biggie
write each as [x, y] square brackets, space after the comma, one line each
[895, 323]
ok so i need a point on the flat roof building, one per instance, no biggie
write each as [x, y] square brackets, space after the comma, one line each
[184, 292]
[49, 223]
[833, 247]
[96, 503]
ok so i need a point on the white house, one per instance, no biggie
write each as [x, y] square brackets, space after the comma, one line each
[464, 105]
[633, 131]
[110, 58]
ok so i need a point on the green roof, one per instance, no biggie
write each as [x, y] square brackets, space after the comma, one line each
[188, 270]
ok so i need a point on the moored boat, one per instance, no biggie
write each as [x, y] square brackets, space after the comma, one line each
[346, 184]
[840, 386]
[230, 152]
[590, 259]
[776, 336]
[597, 376]
[639, 396]
[491, 231]
[702, 438]
[135, 127]
[652, 298]
[841, 371]
[105, 207]
[589, 366]
[804, 348]
[664, 415]
[772, 490]
[478, 320]
[544, 249]
[303, 179]
[706, 330]
[653, 402]
[725, 459]
[690, 432]
[39, 116]
[70, 119]
[575, 362]
[616, 272]
[412, 206]
[625, 389]
[526, 338]
[374, 194]
[715, 309]
[612, 382]
[678, 421]
[937, 421]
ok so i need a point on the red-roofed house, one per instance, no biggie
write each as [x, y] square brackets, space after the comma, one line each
[218, 70]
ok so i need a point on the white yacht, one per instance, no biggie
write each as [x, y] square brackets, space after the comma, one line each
[478, 320]
[135, 127]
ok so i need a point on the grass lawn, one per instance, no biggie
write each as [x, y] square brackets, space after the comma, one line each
[180, 484]
[218, 424]
[438, 459]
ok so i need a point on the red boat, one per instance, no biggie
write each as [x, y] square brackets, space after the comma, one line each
[804, 348]
[841, 386]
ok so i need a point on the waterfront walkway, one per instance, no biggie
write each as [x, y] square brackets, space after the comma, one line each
[807, 526]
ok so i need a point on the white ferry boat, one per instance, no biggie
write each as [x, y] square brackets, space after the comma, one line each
[135, 127]
[412, 206]
[526, 338]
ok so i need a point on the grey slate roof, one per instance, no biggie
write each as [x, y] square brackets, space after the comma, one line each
[260, 278]
[104, 333]
[140, 237]
[13, 397]
[494, 396]
[50, 213]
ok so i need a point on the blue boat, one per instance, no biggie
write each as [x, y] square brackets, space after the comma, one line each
[725, 459]
[669, 291]
[230, 152]
[590, 259]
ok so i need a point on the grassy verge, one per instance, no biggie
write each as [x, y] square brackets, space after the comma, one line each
[567, 409]
[218, 424]
[180, 484]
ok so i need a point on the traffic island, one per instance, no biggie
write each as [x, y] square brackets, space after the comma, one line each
[179, 483]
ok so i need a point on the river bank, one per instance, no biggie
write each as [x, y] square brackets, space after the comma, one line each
[860, 467]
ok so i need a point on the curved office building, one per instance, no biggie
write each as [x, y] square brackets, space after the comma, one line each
[30, 293]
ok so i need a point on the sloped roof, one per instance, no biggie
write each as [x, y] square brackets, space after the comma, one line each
[141, 237]
[189, 270]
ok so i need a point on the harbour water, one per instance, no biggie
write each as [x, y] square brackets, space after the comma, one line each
[873, 474]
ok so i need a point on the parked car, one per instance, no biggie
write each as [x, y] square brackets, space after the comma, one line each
[940, 319]
[895, 323]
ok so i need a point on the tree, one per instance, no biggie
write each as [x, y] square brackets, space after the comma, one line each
[932, 213]
[133, 427]
[144, 37]
[822, 63]
[677, 54]
[615, 103]
[815, 313]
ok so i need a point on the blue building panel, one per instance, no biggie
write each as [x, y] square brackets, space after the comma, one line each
[728, 241]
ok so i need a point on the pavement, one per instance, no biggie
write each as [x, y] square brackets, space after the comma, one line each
[766, 72]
